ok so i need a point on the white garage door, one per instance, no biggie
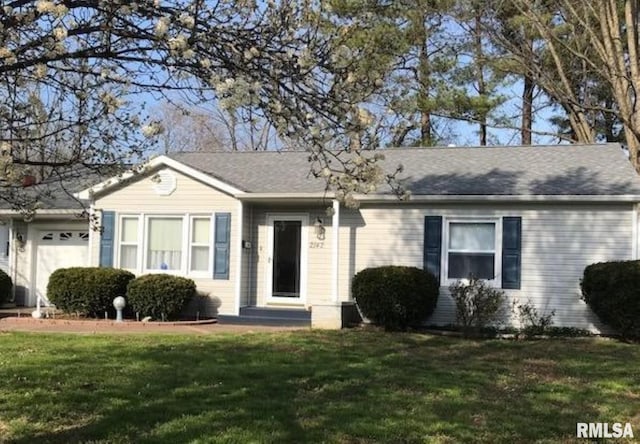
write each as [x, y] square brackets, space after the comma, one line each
[58, 249]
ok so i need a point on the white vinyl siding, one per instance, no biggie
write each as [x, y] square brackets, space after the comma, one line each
[247, 283]
[190, 197]
[558, 242]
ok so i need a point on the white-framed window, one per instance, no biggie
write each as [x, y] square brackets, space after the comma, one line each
[200, 244]
[171, 243]
[129, 239]
[164, 242]
[472, 248]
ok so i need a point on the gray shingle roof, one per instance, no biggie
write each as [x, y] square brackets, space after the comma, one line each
[56, 193]
[599, 169]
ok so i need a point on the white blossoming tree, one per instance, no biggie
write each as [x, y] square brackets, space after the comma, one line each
[75, 76]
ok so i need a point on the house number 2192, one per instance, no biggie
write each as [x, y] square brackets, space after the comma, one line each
[316, 244]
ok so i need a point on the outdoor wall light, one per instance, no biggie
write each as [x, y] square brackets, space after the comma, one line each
[20, 241]
[319, 229]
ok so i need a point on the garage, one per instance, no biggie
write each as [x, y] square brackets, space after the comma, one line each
[58, 249]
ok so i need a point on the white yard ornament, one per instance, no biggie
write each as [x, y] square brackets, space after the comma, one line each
[119, 303]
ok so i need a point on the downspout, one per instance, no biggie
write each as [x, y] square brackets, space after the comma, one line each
[335, 231]
[92, 210]
[240, 223]
[13, 261]
[32, 287]
[635, 238]
[251, 253]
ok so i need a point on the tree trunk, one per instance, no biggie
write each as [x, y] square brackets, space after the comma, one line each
[527, 102]
[424, 74]
[632, 128]
[482, 88]
[633, 145]
[425, 128]
[583, 130]
[527, 110]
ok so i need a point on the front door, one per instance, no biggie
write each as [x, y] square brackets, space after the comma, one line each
[287, 258]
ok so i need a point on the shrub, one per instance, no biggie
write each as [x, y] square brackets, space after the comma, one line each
[87, 291]
[161, 296]
[6, 285]
[612, 290]
[531, 321]
[395, 297]
[478, 306]
[567, 332]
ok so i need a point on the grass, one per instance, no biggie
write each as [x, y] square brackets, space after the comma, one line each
[344, 387]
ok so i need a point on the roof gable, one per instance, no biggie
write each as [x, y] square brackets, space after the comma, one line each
[150, 167]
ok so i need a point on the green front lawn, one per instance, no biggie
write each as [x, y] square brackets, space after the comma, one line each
[347, 387]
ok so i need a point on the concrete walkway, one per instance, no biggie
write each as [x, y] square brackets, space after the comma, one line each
[28, 324]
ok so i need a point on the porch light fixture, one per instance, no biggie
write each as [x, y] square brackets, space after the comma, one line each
[20, 241]
[319, 229]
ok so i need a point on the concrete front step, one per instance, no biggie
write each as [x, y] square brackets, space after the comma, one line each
[253, 320]
[269, 316]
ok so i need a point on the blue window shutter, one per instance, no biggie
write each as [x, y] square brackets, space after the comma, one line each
[511, 252]
[106, 238]
[433, 244]
[222, 239]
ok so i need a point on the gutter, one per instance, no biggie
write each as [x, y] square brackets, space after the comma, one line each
[388, 198]
[48, 212]
[505, 198]
[284, 196]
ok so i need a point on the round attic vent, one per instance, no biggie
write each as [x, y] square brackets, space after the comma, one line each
[164, 183]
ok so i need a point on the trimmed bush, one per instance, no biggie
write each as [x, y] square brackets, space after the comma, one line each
[6, 285]
[88, 291]
[395, 297]
[612, 291]
[160, 295]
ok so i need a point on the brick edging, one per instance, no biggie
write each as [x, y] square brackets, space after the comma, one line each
[97, 322]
